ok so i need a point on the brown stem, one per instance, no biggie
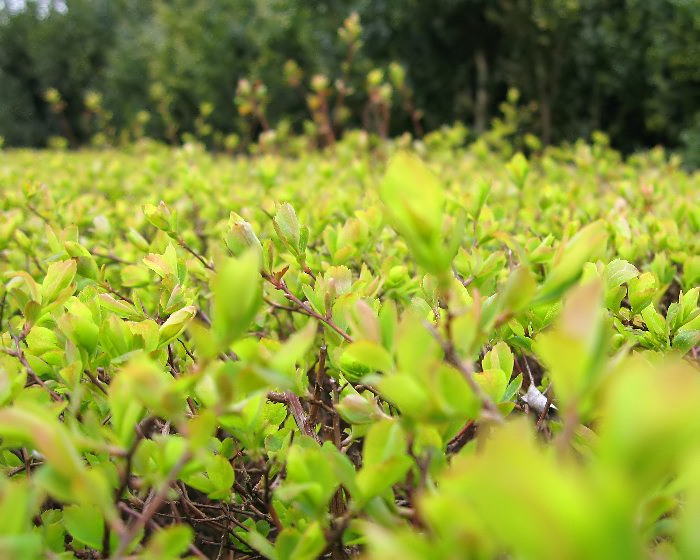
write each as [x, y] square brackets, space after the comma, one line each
[150, 509]
[153, 525]
[109, 257]
[195, 254]
[281, 285]
[35, 378]
[116, 293]
[95, 381]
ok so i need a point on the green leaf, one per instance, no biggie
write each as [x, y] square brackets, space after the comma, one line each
[357, 409]
[518, 169]
[217, 479]
[452, 394]
[292, 544]
[240, 236]
[413, 196]
[655, 323]
[293, 350]
[512, 389]
[691, 272]
[574, 351]
[85, 524]
[221, 475]
[641, 290]
[237, 296]
[374, 480]
[165, 265]
[684, 341]
[618, 272]
[170, 542]
[287, 227]
[58, 277]
[363, 357]
[493, 382]
[405, 392]
[161, 217]
[519, 290]
[135, 276]
[176, 323]
[17, 504]
[499, 357]
[571, 257]
[31, 424]
[79, 325]
[311, 479]
[121, 308]
[414, 200]
[385, 440]
[256, 541]
[142, 381]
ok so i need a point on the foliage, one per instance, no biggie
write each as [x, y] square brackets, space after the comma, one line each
[418, 351]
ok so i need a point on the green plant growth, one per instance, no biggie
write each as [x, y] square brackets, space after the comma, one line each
[442, 353]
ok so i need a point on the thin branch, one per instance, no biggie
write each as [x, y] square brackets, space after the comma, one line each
[292, 401]
[467, 371]
[466, 282]
[35, 378]
[95, 381]
[150, 508]
[2, 308]
[153, 525]
[109, 257]
[195, 254]
[282, 286]
[116, 293]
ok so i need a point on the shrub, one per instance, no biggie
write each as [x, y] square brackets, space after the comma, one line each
[449, 355]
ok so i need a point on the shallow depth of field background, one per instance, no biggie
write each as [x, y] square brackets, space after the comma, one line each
[172, 69]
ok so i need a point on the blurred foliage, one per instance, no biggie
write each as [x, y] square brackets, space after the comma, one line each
[628, 67]
[402, 349]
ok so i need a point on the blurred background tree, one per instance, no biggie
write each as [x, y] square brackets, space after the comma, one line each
[170, 69]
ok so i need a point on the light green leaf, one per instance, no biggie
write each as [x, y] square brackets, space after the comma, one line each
[499, 357]
[237, 296]
[571, 256]
[169, 543]
[84, 523]
[58, 277]
[176, 323]
[618, 272]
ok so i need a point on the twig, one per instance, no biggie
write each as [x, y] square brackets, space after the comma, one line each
[466, 282]
[187, 350]
[467, 371]
[109, 257]
[2, 309]
[153, 525]
[34, 211]
[95, 381]
[116, 293]
[35, 378]
[294, 404]
[465, 435]
[285, 307]
[281, 285]
[543, 415]
[150, 509]
[195, 254]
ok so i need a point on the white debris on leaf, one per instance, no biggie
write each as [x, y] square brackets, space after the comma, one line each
[535, 399]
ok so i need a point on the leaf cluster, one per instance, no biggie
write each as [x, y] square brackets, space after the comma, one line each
[440, 354]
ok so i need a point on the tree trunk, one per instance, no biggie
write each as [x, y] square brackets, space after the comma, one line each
[481, 101]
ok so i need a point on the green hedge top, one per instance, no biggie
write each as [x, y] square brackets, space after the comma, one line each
[416, 352]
